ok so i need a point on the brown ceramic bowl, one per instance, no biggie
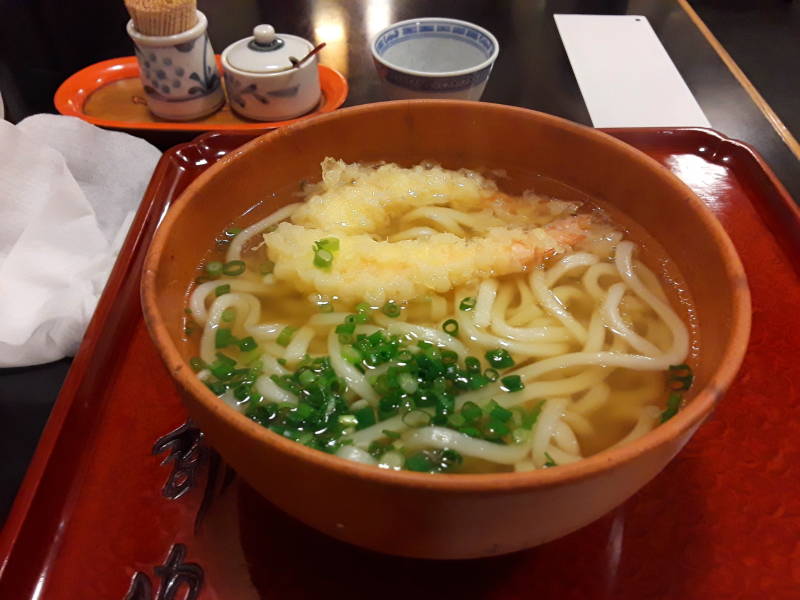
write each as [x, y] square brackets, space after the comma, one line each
[449, 516]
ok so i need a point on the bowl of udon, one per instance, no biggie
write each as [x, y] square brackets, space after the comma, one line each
[445, 329]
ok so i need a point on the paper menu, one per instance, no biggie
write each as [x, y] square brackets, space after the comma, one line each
[625, 75]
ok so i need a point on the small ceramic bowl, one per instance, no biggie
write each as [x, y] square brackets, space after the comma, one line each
[434, 58]
[178, 72]
[449, 516]
[262, 80]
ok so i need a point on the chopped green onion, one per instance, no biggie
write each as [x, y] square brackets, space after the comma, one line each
[247, 344]
[529, 419]
[450, 459]
[550, 462]
[223, 338]
[228, 315]
[416, 418]
[477, 381]
[467, 303]
[512, 383]
[222, 289]
[520, 435]
[217, 387]
[286, 335]
[351, 355]
[496, 429]
[266, 267]
[490, 406]
[501, 414]
[499, 358]
[225, 360]
[306, 377]
[449, 357]
[331, 244]
[323, 252]
[348, 420]
[223, 367]
[300, 413]
[456, 420]
[345, 328]
[471, 411]
[365, 417]
[404, 357]
[233, 268]
[673, 405]
[323, 259]
[451, 327]
[471, 431]
[420, 383]
[250, 358]
[377, 448]
[680, 378]
[407, 382]
[242, 393]
[472, 364]
[233, 231]
[214, 268]
[419, 462]
[391, 309]
[197, 364]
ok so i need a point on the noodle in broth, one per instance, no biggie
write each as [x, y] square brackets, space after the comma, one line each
[351, 348]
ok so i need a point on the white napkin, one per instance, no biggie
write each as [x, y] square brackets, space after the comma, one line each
[68, 192]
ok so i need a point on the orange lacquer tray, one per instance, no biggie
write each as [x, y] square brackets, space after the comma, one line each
[109, 94]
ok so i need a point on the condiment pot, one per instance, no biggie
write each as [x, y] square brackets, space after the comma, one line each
[267, 78]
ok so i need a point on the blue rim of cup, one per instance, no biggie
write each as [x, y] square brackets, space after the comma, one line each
[464, 30]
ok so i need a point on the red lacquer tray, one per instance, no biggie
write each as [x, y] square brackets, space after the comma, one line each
[124, 500]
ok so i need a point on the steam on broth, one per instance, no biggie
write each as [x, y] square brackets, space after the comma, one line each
[422, 319]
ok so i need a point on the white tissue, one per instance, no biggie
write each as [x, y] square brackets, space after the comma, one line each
[68, 192]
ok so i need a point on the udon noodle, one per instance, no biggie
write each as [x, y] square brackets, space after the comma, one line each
[422, 319]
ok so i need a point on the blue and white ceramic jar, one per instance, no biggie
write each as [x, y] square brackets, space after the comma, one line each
[179, 72]
[434, 58]
[265, 78]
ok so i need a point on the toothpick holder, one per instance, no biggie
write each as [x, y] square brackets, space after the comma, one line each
[179, 72]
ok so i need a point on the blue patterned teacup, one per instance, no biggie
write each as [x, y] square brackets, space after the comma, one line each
[434, 58]
[179, 72]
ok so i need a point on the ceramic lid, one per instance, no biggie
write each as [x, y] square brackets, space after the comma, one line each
[266, 51]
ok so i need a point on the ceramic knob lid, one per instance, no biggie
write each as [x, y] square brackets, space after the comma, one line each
[266, 51]
[264, 38]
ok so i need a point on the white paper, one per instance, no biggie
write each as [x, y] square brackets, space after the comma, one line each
[625, 75]
[67, 194]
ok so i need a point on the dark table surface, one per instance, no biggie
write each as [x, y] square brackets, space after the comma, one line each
[42, 42]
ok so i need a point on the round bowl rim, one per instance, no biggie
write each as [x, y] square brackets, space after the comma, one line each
[682, 423]
[437, 74]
